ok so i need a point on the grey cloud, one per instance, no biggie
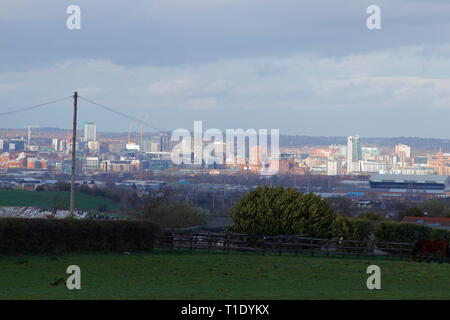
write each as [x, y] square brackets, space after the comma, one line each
[307, 67]
[177, 32]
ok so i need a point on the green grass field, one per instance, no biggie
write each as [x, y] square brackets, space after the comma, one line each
[46, 199]
[202, 275]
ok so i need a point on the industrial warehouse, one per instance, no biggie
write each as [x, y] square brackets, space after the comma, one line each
[409, 182]
[395, 186]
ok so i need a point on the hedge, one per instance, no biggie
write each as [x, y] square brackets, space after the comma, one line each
[19, 236]
[408, 232]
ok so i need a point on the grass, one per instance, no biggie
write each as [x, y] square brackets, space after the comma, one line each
[47, 199]
[202, 275]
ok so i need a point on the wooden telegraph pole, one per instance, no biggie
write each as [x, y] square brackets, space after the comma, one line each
[74, 142]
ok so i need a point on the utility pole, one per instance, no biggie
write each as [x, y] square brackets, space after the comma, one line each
[74, 142]
[308, 181]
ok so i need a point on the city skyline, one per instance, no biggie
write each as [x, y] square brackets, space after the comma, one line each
[224, 152]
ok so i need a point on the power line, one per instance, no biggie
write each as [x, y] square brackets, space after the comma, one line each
[33, 107]
[123, 114]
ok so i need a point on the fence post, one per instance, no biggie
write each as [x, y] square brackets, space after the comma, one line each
[263, 245]
[171, 242]
[300, 244]
[211, 239]
[280, 244]
[296, 246]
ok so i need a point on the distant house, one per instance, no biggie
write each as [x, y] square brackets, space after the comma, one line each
[429, 221]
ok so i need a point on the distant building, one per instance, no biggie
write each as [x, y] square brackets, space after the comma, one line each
[403, 152]
[155, 146]
[334, 167]
[90, 131]
[429, 221]
[409, 182]
[132, 146]
[420, 160]
[55, 146]
[415, 170]
[370, 153]
[90, 164]
[116, 147]
[93, 146]
[354, 154]
[62, 145]
[164, 141]
[120, 166]
[156, 165]
[146, 146]
[374, 166]
[254, 159]
[12, 145]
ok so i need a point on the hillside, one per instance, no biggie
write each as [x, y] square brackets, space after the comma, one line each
[219, 276]
[49, 199]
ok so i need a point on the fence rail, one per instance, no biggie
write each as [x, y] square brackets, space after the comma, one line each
[211, 241]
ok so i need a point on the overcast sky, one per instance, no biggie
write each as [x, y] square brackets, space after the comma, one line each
[304, 67]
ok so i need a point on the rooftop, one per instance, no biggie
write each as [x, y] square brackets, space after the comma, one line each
[406, 178]
[427, 220]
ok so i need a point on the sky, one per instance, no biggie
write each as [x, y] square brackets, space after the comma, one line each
[304, 67]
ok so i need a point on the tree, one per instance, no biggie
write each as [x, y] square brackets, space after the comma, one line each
[436, 207]
[61, 186]
[59, 202]
[159, 207]
[340, 204]
[412, 212]
[352, 228]
[370, 215]
[280, 211]
[173, 215]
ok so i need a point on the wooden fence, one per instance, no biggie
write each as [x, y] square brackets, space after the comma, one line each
[210, 241]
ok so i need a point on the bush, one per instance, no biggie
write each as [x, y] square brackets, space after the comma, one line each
[352, 228]
[440, 234]
[402, 232]
[19, 236]
[370, 215]
[173, 215]
[103, 207]
[280, 211]
[413, 211]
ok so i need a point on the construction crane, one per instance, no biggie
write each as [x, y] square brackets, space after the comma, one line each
[129, 134]
[142, 131]
[29, 134]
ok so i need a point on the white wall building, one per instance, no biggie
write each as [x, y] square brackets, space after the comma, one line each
[90, 131]
[334, 167]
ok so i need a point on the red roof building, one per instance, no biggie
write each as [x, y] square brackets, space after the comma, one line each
[427, 220]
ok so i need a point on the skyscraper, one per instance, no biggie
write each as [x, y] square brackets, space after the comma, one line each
[403, 152]
[164, 142]
[55, 144]
[146, 146]
[354, 154]
[90, 131]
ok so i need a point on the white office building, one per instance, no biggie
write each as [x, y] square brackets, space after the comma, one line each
[334, 167]
[90, 131]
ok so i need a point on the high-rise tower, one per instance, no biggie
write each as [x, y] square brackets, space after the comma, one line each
[354, 154]
[90, 131]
